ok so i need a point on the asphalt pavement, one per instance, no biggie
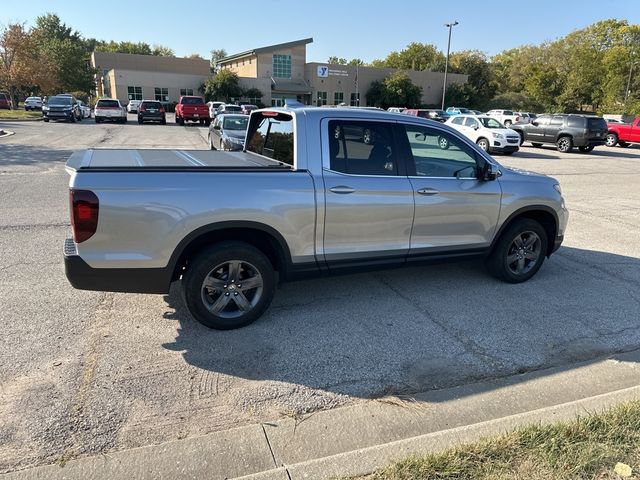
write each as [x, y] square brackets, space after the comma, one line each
[86, 373]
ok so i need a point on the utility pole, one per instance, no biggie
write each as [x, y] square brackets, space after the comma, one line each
[628, 90]
[446, 65]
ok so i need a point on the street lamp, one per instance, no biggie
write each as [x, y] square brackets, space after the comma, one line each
[446, 65]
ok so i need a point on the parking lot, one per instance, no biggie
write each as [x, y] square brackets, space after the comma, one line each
[90, 372]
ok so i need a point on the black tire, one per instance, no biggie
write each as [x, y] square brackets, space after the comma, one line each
[611, 140]
[586, 149]
[207, 122]
[443, 143]
[564, 144]
[163, 121]
[211, 147]
[72, 119]
[45, 120]
[181, 121]
[97, 120]
[521, 134]
[536, 144]
[623, 144]
[507, 258]
[140, 121]
[224, 295]
[484, 144]
[177, 119]
[367, 136]
[507, 123]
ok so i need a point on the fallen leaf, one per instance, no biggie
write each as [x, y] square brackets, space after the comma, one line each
[623, 470]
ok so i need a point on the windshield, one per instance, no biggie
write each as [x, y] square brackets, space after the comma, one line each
[60, 101]
[108, 103]
[232, 108]
[236, 123]
[192, 101]
[488, 122]
[464, 110]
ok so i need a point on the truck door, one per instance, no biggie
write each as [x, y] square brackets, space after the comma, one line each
[635, 131]
[368, 197]
[454, 209]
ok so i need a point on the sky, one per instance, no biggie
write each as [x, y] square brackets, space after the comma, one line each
[365, 29]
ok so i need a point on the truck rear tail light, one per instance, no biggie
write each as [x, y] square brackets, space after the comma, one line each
[84, 214]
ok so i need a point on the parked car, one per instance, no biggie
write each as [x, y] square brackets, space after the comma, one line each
[565, 131]
[432, 113]
[193, 109]
[247, 108]
[61, 107]
[227, 132]
[486, 132]
[524, 117]
[228, 108]
[110, 109]
[623, 134]
[451, 111]
[132, 106]
[299, 201]
[5, 101]
[33, 103]
[151, 111]
[614, 120]
[84, 109]
[506, 117]
[213, 106]
[396, 109]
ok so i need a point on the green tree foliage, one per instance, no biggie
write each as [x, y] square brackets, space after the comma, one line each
[224, 86]
[162, 51]
[479, 88]
[217, 55]
[336, 61]
[416, 56]
[66, 52]
[396, 90]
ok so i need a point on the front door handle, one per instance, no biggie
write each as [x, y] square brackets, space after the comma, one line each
[342, 189]
[427, 191]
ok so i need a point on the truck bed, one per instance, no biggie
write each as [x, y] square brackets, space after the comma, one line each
[159, 160]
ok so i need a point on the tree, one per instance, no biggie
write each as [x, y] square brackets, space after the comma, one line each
[254, 93]
[162, 51]
[476, 65]
[224, 85]
[22, 69]
[216, 56]
[395, 90]
[336, 61]
[194, 56]
[356, 61]
[66, 52]
[416, 56]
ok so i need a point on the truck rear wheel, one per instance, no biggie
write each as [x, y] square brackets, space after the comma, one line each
[519, 252]
[228, 285]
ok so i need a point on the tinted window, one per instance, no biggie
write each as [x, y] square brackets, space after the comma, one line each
[151, 105]
[438, 154]
[557, 120]
[490, 122]
[575, 122]
[507, 112]
[422, 113]
[60, 101]
[597, 124]
[274, 138]
[458, 120]
[106, 103]
[236, 123]
[232, 108]
[543, 120]
[362, 148]
[470, 122]
[192, 101]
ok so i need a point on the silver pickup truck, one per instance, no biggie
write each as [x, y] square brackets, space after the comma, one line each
[316, 190]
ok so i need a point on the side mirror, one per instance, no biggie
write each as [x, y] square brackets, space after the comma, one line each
[490, 172]
[216, 127]
[534, 123]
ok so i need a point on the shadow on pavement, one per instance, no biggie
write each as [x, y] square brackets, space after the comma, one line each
[417, 329]
[12, 154]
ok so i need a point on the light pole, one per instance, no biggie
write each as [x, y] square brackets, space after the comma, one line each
[446, 65]
[628, 90]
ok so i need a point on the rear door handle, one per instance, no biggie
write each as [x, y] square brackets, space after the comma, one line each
[427, 191]
[342, 189]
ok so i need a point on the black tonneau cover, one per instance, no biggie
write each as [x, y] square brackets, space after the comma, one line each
[144, 160]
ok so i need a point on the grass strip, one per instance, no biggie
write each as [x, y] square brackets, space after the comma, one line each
[599, 446]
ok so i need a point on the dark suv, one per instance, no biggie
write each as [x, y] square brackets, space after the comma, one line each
[432, 113]
[565, 131]
[61, 107]
[151, 110]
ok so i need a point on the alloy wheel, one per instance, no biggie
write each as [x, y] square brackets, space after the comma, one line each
[524, 252]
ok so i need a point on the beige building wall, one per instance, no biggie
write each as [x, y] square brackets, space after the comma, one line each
[150, 63]
[342, 78]
[298, 60]
[244, 67]
[120, 80]
[262, 84]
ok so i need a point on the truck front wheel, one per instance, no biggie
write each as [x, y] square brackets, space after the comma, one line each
[228, 285]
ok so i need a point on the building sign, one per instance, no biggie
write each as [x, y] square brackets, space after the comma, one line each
[324, 72]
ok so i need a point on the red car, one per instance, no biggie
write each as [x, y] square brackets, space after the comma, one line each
[5, 101]
[623, 133]
[190, 108]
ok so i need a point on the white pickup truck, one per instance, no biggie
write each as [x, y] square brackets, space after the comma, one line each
[307, 196]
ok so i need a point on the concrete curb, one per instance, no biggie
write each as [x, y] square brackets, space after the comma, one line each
[7, 120]
[357, 439]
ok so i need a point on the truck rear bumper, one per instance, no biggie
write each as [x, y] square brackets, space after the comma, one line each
[131, 280]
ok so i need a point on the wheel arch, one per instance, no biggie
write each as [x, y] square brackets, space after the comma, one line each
[542, 214]
[263, 237]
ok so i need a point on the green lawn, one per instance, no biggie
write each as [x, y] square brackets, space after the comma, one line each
[19, 115]
[599, 446]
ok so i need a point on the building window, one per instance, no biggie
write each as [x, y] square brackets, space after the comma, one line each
[134, 93]
[282, 66]
[162, 94]
[355, 100]
[338, 98]
[322, 98]
[186, 91]
[277, 101]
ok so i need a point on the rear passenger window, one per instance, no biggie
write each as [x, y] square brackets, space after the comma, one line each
[458, 120]
[577, 122]
[438, 154]
[274, 137]
[470, 122]
[557, 120]
[362, 148]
